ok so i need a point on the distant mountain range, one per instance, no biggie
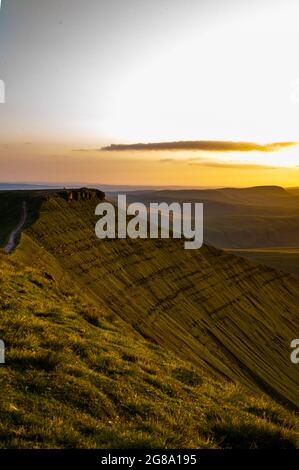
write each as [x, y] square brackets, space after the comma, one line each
[248, 220]
[104, 187]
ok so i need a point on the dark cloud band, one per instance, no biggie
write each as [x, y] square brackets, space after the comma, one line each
[204, 145]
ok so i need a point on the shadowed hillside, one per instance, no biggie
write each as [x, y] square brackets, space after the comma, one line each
[260, 200]
[293, 191]
[286, 258]
[239, 218]
[11, 203]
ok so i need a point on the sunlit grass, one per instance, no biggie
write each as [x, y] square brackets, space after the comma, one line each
[74, 378]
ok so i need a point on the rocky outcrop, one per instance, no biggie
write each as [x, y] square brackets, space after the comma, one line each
[82, 194]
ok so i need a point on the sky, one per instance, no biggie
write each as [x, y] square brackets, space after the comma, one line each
[83, 76]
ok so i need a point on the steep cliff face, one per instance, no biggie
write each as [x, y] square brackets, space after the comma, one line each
[216, 311]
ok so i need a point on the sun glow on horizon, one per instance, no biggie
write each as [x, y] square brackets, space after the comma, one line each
[235, 80]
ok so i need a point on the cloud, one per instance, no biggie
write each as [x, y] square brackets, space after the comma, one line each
[172, 160]
[203, 145]
[218, 164]
[86, 150]
[234, 166]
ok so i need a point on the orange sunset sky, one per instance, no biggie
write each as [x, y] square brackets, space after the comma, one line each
[82, 76]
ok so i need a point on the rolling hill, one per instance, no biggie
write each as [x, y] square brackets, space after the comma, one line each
[120, 333]
[261, 223]
[286, 258]
[260, 200]
[293, 191]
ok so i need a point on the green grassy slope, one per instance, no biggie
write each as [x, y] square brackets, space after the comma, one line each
[263, 222]
[75, 378]
[216, 311]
